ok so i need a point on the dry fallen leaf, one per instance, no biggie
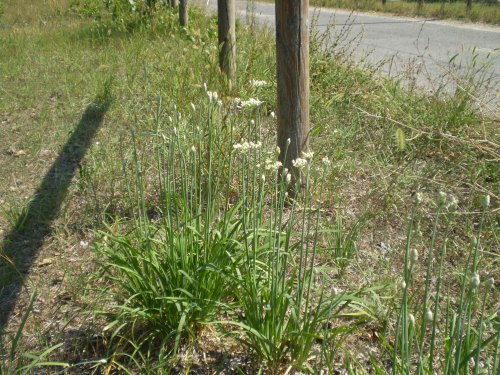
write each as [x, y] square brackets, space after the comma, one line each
[17, 153]
[45, 262]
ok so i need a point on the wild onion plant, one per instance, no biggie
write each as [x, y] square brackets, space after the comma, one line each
[433, 334]
[217, 233]
[281, 303]
[169, 268]
[342, 241]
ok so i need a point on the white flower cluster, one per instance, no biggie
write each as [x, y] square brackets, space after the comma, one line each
[250, 103]
[308, 155]
[258, 83]
[299, 163]
[246, 146]
[213, 97]
[272, 165]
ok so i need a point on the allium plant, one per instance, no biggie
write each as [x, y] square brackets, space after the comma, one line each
[420, 331]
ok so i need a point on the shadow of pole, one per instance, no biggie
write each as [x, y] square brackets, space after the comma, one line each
[22, 244]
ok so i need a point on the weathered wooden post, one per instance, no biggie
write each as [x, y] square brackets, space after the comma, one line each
[183, 12]
[226, 14]
[174, 3]
[469, 5]
[292, 53]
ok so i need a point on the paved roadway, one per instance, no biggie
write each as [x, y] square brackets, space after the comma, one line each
[415, 50]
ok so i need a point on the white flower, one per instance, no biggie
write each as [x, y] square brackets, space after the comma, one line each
[307, 155]
[288, 141]
[84, 244]
[257, 83]
[326, 162]
[212, 96]
[193, 149]
[288, 178]
[272, 165]
[250, 103]
[205, 86]
[273, 115]
[252, 122]
[299, 163]
[263, 178]
[403, 284]
[246, 146]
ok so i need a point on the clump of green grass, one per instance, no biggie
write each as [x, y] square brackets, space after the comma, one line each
[169, 268]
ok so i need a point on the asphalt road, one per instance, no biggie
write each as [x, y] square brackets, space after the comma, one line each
[434, 55]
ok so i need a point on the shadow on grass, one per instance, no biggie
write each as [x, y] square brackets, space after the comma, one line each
[22, 244]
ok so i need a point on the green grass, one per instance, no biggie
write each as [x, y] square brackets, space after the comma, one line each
[195, 246]
[481, 12]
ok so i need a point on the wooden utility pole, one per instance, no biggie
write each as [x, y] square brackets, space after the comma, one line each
[226, 14]
[469, 5]
[183, 13]
[292, 53]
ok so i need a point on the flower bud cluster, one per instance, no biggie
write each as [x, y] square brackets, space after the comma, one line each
[250, 103]
[246, 146]
[272, 165]
[413, 256]
[299, 163]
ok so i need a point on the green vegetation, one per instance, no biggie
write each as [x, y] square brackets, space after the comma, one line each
[142, 201]
[486, 12]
